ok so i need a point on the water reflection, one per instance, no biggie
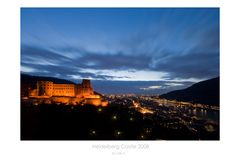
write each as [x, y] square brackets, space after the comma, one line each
[204, 113]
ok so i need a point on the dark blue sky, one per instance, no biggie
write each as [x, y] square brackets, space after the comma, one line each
[160, 49]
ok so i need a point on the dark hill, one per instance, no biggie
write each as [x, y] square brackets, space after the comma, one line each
[33, 79]
[204, 92]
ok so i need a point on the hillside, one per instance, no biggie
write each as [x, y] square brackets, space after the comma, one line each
[205, 92]
[33, 79]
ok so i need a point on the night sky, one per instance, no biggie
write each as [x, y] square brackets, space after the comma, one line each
[139, 50]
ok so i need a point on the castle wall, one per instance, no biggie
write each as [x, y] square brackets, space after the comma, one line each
[44, 88]
[48, 92]
[93, 101]
[49, 89]
[84, 90]
[64, 90]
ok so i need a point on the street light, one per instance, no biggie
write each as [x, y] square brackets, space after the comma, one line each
[114, 117]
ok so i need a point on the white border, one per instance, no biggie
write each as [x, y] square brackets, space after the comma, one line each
[10, 144]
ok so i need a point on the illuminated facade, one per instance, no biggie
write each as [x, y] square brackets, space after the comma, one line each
[49, 89]
[49, 92]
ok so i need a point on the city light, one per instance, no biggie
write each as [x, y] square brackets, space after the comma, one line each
[92, 132]
[99, 109]
[114, 117]
[118, 133]
[142, 136]
[144, 111]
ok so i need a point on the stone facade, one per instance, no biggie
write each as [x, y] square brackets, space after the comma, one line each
[49, 89]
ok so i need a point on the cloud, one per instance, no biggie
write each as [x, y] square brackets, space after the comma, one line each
[150, 55]
[86, 64]
[154, 51]
[117, 61]
[155, 44]
[38, 55]
[151, 87]
[88, 75]
[194, 65]
[174, 84]
[137, 87]
[167, 65]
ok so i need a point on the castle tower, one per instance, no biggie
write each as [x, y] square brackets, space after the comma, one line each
[86, 83]
[84, 90]
[87, 88]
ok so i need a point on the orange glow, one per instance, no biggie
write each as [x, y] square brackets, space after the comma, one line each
[141, 109]
[144, 111]
[104, 103]
[66, 93]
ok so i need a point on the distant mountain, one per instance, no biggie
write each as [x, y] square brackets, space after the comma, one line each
[204, 92]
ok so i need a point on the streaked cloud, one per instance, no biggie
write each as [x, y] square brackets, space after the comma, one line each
[151, 87]
[174, 84]
[172, 46]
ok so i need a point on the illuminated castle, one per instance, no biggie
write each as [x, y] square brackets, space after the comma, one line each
[65, 92]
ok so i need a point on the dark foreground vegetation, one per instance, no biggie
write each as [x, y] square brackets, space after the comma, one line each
[63, 122]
